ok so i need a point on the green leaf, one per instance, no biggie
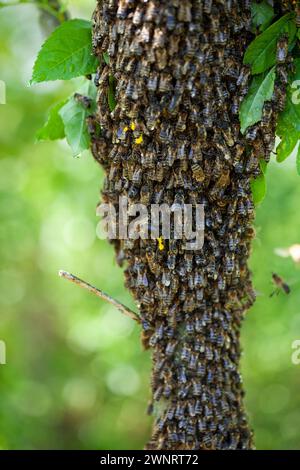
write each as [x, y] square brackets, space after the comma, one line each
[288, 124]
[261, 90]
[111, 93]
[262, 14]
[258, 185]
[54, 127]
[298, 160]
[74, 116]
[66, 54]
[289, 139]
[261, 53]
[290, 116]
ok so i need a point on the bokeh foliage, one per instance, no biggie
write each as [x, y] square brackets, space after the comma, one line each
[76, 376]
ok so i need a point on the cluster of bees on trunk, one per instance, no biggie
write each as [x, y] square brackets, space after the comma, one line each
[174, 136]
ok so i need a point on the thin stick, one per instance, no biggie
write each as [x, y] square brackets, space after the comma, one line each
[126, 311]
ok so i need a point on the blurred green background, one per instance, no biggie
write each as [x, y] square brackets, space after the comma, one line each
[76, 375]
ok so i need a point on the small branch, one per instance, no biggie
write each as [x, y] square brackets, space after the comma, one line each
[126, 311]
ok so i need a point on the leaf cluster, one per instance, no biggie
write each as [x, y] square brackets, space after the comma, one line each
[261, 57]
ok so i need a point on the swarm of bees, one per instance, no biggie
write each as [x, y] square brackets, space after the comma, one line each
[180, 79]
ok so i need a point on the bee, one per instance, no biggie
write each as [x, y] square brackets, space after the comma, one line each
[172, 435]
[207, 6]
[93, 127]
[151, 12]
[282, 49]
[145, 34]
[202, 426]
[158, 393]
[185, 354]
[193, 361]
[150, 409]
[282, 74]
[85, 101]
[198, 172]
[243, 77]
[170, 18]
[181, 152]
[137, 177]
[279, 97]
[122, 9]
[143, 67]
[251, 133]
[184, 12]
[138, 16]
[171, 346]
[280, 285]
[221, 37]
[189, 327]
[197, 388]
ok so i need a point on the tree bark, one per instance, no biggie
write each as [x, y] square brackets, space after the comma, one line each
[174, 136]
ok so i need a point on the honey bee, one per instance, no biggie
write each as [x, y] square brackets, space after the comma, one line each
[122, 9]
[282, 49]
[243, 78]
[279, 97]
[282, 74]
[151, 12]
[170, 18]
[138, 15]
[280, 285]
[85, 101]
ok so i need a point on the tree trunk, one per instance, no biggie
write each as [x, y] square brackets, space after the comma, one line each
[174, 136]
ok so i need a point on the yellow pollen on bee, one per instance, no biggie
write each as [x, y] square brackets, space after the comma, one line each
[139, 140]
[126, 129]
[132, 126]
[161, 245]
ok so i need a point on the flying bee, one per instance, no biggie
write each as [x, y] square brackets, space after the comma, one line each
[280, 285]
[282, 49]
